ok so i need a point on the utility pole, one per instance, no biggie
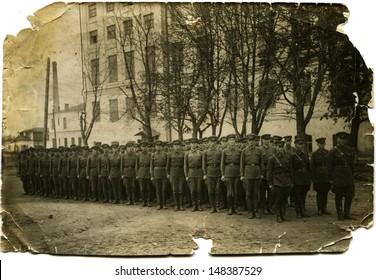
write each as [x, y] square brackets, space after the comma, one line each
[45, 132]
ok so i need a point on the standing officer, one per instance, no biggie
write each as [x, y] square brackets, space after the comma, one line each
[266, 200]
[251, 173]
[63, 173]
[92, 172]
[22, 171]
[289, 150]
[128, 171]
[83, 184]
[114, 173]
[341, 175]
[54, 172]
[193, 173]
[31, 167]
[320, 176]
[44, 172]
[105, 189]
[279, 176]
[175, 173]
[212, 172]
[143, 172]
[230, 170]
[72, 167]
[158, 173]
[301, 177]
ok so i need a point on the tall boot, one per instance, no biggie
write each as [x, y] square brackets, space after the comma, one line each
[199, 206]
[180, 196]
[319, 204]
[283, 214]
[338, 202]
[194, 207]
[176, 200]
[348, 201]
[163, 202]
[278, 216]
[324, 202]
[211, 202]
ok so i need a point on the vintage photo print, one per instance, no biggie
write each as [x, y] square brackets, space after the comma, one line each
[130, 128]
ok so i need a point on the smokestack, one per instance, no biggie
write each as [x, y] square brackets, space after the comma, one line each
[55, 88]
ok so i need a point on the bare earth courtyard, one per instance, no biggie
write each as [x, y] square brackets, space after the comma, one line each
[67, 227]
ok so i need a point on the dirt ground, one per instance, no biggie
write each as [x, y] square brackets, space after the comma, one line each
[67, 227]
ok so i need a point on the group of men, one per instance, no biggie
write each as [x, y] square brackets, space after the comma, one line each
[228, 173]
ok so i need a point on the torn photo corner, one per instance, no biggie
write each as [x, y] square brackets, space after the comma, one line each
[109, 113]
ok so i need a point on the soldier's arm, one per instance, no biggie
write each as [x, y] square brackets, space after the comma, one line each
[137, 163]
[122, 166]
[330, 164]
[152, 166]
[87, 167]
[59, 166]
[186, 164]
[242, 164]
[204, 163]
[50, 166]
[223, 163]
[68, 165]
[78, 166]
[261, 164]
[168, 164]
[108, 165]
[269, 171]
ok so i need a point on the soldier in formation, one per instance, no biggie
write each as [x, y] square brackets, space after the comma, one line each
[225, 173]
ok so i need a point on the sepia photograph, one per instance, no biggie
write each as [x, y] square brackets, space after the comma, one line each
[133, 128]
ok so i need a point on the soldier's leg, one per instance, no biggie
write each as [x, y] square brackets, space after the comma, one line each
[255, 196]
[122, 191]
[349, 194]
[74, 188]
[127, 181]
[338, 198]
[210, 182]
[230, 194]
[158, 190]
[181, 182]
[263, 192]
[24, 184]
[199, 185]
[223, 194]
[236, 195]
[278, 202]
[298, 200]
[242, 196]
[305, 190]
[46, 186]
[192, 183]
[164, 188]
[248, 198]
[187, 192]
[318, 189]
[326, 189]
[285, 191]
[115, 189]
[175, 192]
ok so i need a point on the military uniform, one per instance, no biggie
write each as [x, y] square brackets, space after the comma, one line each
[301, 178]
[63, 173]
[194, 174]
[22, 169]
[158, 174]
[289, 150]
[31, 169]
[230, 170]
[92, 171]
[44, 173]
[251, 171]
[212, 172]
[279, 176]
[114, 171]
[73, 180]
[105, 193]
[143, 173]
[175, 173]
[266, 195]
[320, 177]
[54, 171]
[341, 173]
[83, 184]
[128, 168]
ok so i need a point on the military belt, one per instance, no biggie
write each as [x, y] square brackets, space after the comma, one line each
[176, 166]
[213, 165]
[281, 173]
[144, 165]
[231, 163]
[159, 165]
[301, 169]
[194, 167]
[129, 166]
[253, 164]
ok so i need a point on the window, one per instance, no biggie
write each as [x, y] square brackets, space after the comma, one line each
[110, 7]
[53, 123]
[72, 141]
[128, 27]
[129, 65]
[58, 121]
[149, 21]
[59, 142]
[113, 68]
[65, 142]
[96, 111]
[93, 37]
[150, 59]
[114, 110]
[65, 123]
[92, 10]
[95, 72]
[111, 32]
[54, 145]
[79, 141]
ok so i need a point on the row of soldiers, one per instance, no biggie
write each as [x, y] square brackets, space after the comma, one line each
[225, 173]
